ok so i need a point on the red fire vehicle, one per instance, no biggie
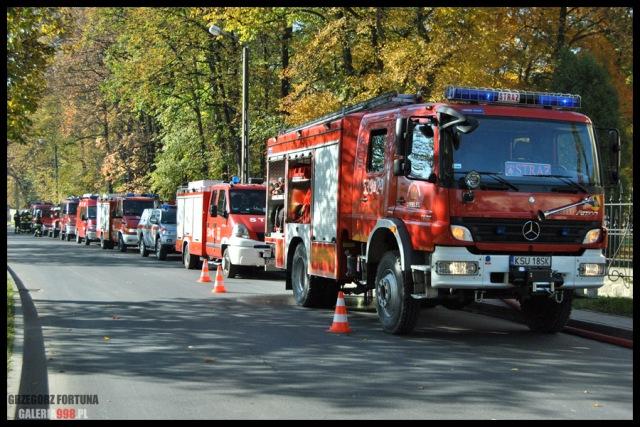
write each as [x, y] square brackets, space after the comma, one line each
[222, 221]
[118, 216]
[54, 229]
[490, 194]
[86, 219]
[68, 218]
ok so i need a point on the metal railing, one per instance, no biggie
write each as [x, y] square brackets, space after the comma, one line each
[619, 253]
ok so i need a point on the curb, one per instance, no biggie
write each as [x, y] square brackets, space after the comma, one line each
[595, 331]
[14, 375]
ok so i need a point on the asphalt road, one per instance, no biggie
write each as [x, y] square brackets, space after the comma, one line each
[152, 343]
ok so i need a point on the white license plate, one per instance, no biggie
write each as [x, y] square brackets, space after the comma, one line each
[530, 261]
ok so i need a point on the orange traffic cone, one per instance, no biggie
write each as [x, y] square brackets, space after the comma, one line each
[204, 275]
[340, 323]
[219, 286]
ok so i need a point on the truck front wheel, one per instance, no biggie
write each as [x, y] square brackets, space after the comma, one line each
[544, 314]
[121, 246]
[306, 291]
[228, 269]
[397, 310]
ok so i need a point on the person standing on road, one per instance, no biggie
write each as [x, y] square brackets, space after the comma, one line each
[16, 221]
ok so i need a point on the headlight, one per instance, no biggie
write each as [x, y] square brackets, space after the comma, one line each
[457, 268]
[131, 230]
[593, 236]
[461, 233]
[239, 230]
[592, 269]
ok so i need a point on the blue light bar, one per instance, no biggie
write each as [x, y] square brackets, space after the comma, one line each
[511, 97]
[235, 180]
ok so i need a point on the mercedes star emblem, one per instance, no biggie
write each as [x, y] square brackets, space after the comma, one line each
[531, 230]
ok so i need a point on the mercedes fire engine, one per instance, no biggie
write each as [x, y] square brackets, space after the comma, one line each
[490, 194]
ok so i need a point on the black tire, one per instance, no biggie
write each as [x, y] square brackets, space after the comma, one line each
[61, 235]
[397, 310]
[229, 271]
[86, 241]
[121, 246]
[190, 261]
[143, 248]
[161, 250]
[103, 243]
[306, 290]
[78, 239]
[68, 237]
[544, 314]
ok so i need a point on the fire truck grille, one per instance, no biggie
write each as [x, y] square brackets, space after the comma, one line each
[511, 230]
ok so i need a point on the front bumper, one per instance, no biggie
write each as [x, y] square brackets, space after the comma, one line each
[567, 266]
[248, 252]
[70, 229]
[92, 235]
[130, 239]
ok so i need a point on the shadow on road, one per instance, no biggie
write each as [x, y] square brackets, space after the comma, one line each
[264, 345]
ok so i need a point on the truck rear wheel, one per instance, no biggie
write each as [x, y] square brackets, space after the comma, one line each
[544, 314]
[397, 310]
[67, 236]
[190, 261]
[121, 246]
[87, 241]
[306, 291]
[229, 270]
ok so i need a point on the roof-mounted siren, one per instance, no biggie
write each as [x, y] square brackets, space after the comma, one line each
[511, 97]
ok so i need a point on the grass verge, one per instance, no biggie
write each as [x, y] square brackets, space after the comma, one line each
[10, 321]
[620, 306]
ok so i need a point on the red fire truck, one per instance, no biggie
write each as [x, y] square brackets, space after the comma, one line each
[54, 229]
[86, 219]
[489, 194]
[118, 216]
[68, 218]
[222, 221]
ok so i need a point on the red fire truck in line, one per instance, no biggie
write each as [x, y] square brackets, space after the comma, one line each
[86, 219]
[54, 229]
[489, 194]
[118, 216]
[222, 221]
[68, 218]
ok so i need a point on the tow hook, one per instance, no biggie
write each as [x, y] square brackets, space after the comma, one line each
[479, 296]
[558, 296]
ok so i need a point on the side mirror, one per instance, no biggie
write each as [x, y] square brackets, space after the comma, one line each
[213, 211]
[401, 130]
[398, 167]
[462, 123]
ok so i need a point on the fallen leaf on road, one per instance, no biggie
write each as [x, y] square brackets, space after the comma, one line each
[115, 317]
[515, 369]
[209, 360]
[597, 405]
[107, 338]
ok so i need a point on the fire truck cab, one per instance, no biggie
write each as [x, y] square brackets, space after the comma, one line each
[118, 216]
[222, 221]
[68, 218]
[86, 216]
[488, 194]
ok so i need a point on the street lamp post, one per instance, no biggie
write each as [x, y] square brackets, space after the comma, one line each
[244, 149]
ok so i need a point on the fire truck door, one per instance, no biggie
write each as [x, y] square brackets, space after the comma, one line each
[371, 177]
[212, 249]
[221, 230]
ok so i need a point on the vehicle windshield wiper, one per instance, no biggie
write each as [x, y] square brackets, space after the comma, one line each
[566, 180]
[497, 177]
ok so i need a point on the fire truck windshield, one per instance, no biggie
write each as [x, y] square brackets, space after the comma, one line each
[91, 212]
[135, 207]
[72, 208]
[524, 152]
[251, 202]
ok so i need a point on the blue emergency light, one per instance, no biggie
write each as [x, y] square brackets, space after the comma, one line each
[235, 180]
[511, 97]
